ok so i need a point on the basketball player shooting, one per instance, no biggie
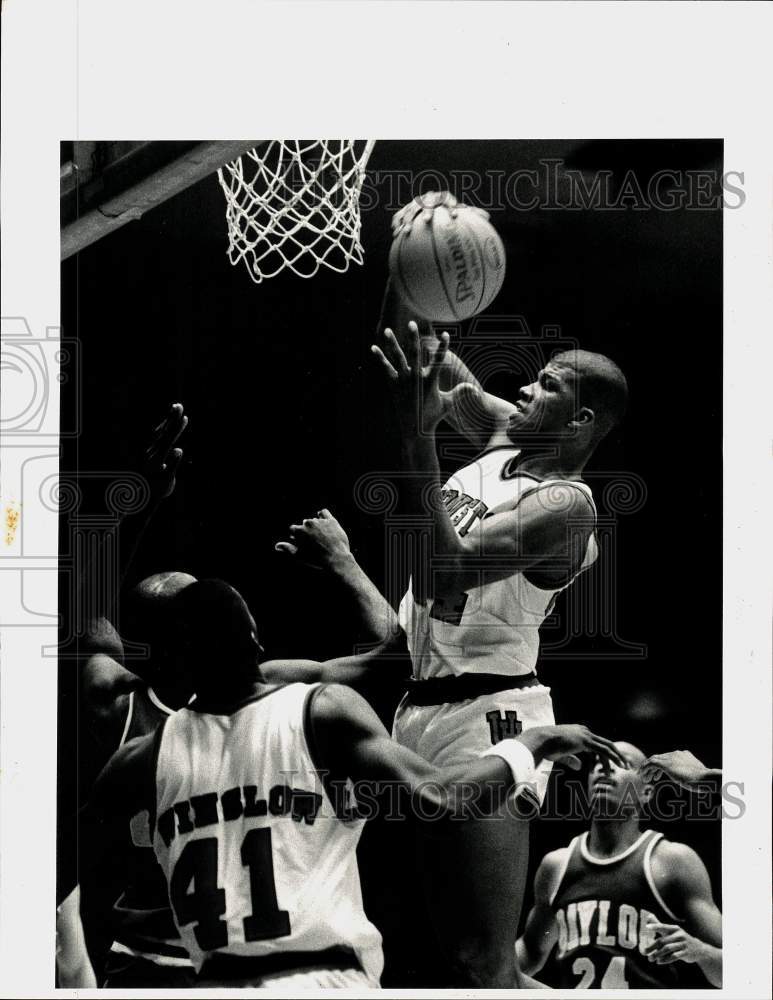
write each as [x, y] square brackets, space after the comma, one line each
[625, 907]
[509, 532]
[243, 796]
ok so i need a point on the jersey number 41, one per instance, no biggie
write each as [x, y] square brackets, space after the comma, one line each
[196, 897]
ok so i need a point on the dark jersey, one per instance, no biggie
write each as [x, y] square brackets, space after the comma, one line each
[143, 922]
[603, 907]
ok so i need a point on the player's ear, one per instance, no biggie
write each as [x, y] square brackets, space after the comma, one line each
[584, 417]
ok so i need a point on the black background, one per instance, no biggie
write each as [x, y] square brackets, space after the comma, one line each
[287, 411]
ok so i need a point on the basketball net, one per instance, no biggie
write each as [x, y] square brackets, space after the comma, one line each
[295, 204]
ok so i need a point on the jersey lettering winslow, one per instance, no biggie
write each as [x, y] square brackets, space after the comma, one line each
[603, 907]
[494, 627]
[144, 925]
[256, 859]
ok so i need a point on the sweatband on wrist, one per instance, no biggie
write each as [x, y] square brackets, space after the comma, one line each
[518, 758]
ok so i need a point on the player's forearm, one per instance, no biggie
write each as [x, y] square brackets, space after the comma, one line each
[710, 963]
[425, 494]
[375, 612]
[479, 787]
[528, 961]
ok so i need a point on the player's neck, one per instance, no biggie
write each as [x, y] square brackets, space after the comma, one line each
[549, 463]
[172, 695]
[608, 837]
[220, 702]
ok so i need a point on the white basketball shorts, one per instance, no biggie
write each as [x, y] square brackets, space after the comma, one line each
[452, 733]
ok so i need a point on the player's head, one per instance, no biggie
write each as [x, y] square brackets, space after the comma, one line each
[219, 639]
[578, 396]
[617, 792]
[147, 618]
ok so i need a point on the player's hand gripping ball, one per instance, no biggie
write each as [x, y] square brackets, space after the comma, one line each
[447, 261]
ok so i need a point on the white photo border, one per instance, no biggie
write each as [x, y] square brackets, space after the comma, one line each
[97, 69]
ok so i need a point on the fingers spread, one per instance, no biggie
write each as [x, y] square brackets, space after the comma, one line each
[390, 369]
[439, 356]
[167, 432]
[413, 346]
[394, 352]
[607, 750]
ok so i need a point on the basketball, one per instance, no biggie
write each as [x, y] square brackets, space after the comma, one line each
[447, 260]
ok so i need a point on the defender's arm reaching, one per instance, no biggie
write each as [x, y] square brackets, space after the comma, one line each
[321, 542]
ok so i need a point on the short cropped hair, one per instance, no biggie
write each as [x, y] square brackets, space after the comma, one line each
[216, 627]
[601, 386]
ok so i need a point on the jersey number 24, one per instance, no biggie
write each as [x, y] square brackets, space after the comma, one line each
[614, 977]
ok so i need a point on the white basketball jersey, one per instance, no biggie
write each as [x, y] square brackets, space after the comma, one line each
[492, 628]
[255, 859]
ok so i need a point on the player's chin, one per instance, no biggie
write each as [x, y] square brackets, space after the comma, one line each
[603, 797]
[522, 426]
[519, 429]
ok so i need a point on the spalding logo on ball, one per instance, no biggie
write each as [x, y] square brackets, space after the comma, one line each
[447, 260]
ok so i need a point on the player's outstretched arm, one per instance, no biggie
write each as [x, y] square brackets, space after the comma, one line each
[682, 767]
[321, 542]
[684, 883]
[540, 932]
[352, 743]
[388, 662]
[104, 682]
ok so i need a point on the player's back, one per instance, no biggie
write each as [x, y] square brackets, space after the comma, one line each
[257, 862]
[603, 907]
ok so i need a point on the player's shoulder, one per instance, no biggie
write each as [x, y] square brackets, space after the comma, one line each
[127, 777]
[102, 637]
[104, 678]
[567, 497]
[676, 865]
[332, 703]
[674, 852]
[550, 872]
[133, 752]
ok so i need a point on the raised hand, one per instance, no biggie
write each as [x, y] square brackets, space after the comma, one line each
[419, 401]
[423, 205]
[161, 458]
[679, 766]
[564, 742]
[319, 541]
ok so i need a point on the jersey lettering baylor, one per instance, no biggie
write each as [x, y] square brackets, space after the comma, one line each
[256, 859]
[603, 907]
[492, 628]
